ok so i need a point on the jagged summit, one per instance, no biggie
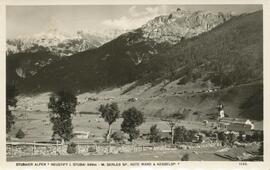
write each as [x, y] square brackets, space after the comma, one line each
[169, 29]
[182, 24]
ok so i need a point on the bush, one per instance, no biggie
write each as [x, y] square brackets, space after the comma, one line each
[96, 141]
[257, 136]
[222, 137]
[118, 137]
[195, 113]
[176, 115]
[183, 80]
[92, 149]
[232, 138]
[196, 74]
[72, 148]
[154, 134]
[206, 132]
[181, 134]
[8, 138]
[185, 157]
[20, 134]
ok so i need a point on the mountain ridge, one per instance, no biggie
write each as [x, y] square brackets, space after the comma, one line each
[133, 57]
[58, 43]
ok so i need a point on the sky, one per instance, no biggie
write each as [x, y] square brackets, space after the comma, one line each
[30, 20]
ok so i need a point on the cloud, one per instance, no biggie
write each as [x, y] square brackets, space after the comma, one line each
[133, 12]
[136, 17]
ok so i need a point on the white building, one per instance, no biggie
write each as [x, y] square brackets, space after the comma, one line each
[221, 114]
[81, 135]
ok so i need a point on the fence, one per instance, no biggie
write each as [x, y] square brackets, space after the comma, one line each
[19, 149]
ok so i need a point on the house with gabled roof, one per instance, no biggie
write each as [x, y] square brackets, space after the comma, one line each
[236, 124]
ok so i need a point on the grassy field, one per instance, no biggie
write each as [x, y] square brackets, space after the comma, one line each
[37, 126]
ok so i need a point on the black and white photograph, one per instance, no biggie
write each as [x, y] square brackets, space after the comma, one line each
[134, 82]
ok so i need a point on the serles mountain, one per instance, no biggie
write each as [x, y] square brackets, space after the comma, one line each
[182, 24]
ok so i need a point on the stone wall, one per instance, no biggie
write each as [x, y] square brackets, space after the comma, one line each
[19, 150]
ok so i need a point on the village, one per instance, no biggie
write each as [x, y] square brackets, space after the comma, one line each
[226, 135]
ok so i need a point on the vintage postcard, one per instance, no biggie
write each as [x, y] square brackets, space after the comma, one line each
[134, 85]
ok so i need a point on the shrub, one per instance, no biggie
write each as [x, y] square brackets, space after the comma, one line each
[248, 138]
[240, 138]
[232, 138]
[195, 113]
[96, 141]
[154, 134]
[206, 132]
[257, 136]
[179, 134]
[72, 148]
[92, 149]
[190, 135]
[118, 137]
[200, 139]
[183, 80]
[222, 137]
[196, 74]
[185, 157]
[176, 115]
[20, 134]
[8, 138]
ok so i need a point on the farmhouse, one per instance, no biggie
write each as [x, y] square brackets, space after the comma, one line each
[165, 134]
[236, 125]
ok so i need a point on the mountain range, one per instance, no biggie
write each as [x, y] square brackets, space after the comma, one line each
[183, 52]
[60, 44]
[182, 45]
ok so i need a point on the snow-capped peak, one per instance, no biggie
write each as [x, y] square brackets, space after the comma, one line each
[60, 43]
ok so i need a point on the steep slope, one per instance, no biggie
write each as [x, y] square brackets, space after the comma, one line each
[22, 65]
[113, 64]
[124, 59]
[229, 54]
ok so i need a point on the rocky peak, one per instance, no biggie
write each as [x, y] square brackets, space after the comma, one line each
[182, 24]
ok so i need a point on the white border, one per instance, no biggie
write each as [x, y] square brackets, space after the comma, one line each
[215, 165]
